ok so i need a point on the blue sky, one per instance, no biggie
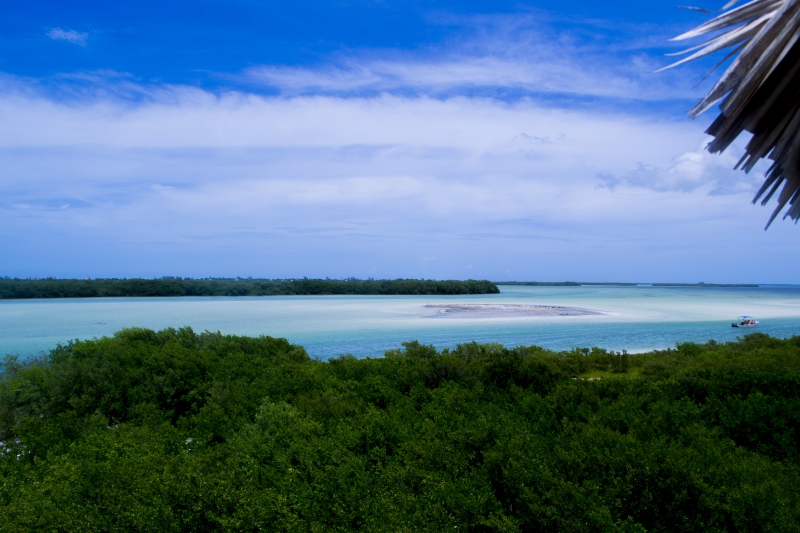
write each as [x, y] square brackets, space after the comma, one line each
[501, 140]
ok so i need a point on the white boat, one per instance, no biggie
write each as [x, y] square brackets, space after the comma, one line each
[745, 322]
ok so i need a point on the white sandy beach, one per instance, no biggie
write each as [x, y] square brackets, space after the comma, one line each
[506, 310]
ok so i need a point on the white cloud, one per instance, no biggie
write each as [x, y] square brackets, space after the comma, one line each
[470, 181]
[183, 117]
[690, 171]
[325, 157]
[71, 36]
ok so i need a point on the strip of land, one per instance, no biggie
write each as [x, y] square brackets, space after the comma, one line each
[587, 283]
[506, 310]
[99, 288]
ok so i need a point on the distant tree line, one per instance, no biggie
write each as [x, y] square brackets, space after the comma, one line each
[542, 283]
[73, 288]
[581, 284]
[744, 285]
[172, 431]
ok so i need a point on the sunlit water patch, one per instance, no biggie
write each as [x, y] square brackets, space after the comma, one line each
[631, 318]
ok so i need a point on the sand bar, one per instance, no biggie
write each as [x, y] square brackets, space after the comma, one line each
[506, 310]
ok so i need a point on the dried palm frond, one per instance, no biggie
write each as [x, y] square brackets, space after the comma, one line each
[760, 91]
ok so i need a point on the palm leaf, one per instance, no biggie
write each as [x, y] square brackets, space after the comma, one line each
[758, 93]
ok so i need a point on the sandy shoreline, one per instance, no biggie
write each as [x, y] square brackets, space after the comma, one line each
[506, 310]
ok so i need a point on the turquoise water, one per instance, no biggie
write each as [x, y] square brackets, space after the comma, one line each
[634, 318]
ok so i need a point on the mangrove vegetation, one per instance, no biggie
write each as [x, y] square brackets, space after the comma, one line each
[177, 431]
[176, 286]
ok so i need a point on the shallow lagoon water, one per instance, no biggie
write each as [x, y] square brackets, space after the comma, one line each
[633, 318]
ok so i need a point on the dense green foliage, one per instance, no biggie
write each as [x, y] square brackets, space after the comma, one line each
[73, 288]
[174, 431]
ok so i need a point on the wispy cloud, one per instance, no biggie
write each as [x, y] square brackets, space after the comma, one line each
[499, 55]
[453, 75]
[71, 36]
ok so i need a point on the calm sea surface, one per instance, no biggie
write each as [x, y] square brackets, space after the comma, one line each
[636, 318]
